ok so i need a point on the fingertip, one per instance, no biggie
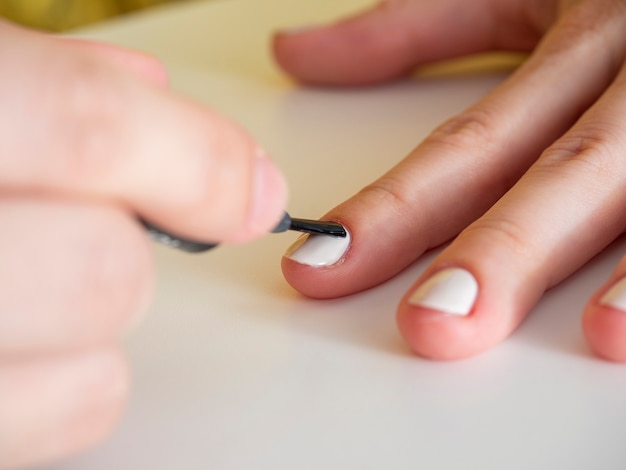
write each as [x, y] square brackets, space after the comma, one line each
[317, 266]
[268, 193]
[432, 335]
[375, 249]
[390, 39]
[268, 198]
[450, 315]
[604, 322]
[443, 336]
[379, 245]
[298, 276]
[147, 66]
[295, 52]
[439, 318]
[209, 181]
[352, 52]
[605, 331]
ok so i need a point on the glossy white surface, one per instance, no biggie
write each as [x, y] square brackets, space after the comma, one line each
[234, 371]
[452, 290]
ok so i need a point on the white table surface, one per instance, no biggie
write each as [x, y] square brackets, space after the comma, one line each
[233, 370]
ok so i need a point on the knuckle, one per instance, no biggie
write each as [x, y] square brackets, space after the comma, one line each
[588, 28]
[220, 156]
[114, 279]
[389, 193]
[592, 150]
[469, 129]
[223, 161]
[504, 233]
[92, 111]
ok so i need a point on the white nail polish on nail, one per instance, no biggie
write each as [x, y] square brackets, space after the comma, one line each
[452, 290]
[616, 296]
[318, 250]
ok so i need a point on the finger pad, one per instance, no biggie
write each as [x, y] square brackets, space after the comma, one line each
[321, 59]
[605, 330]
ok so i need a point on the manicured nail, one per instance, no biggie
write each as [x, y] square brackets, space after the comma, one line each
[452, 290]
[318, 250]
[616, 296]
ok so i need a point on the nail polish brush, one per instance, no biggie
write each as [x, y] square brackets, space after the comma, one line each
[318, 227]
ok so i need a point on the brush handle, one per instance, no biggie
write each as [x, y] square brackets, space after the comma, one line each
[180, 243]
[194, 246]
[287, 223]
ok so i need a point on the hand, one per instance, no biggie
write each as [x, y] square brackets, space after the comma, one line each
[90, 138]
[531, 180]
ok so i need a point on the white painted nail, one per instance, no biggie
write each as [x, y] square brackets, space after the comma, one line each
[318, 250]
[616, 296]
[452, 290]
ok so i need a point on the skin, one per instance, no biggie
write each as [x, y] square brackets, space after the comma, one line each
[91, 147]
[83, 152]
[538, 164]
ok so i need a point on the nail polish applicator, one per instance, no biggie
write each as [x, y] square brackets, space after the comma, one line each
[317, 227]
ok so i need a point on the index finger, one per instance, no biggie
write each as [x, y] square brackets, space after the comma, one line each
[91, 130]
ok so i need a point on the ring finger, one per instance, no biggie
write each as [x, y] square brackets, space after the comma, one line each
[566, 208]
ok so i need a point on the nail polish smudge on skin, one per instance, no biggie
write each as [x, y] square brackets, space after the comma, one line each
[319, 250]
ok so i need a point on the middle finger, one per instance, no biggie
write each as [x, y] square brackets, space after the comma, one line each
[73, 275]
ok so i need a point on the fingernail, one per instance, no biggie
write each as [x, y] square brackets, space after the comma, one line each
[319, 250]
[616, 296]
[452, 290]
[269, 195]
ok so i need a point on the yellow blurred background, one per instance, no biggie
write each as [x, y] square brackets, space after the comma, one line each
[60, 15]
